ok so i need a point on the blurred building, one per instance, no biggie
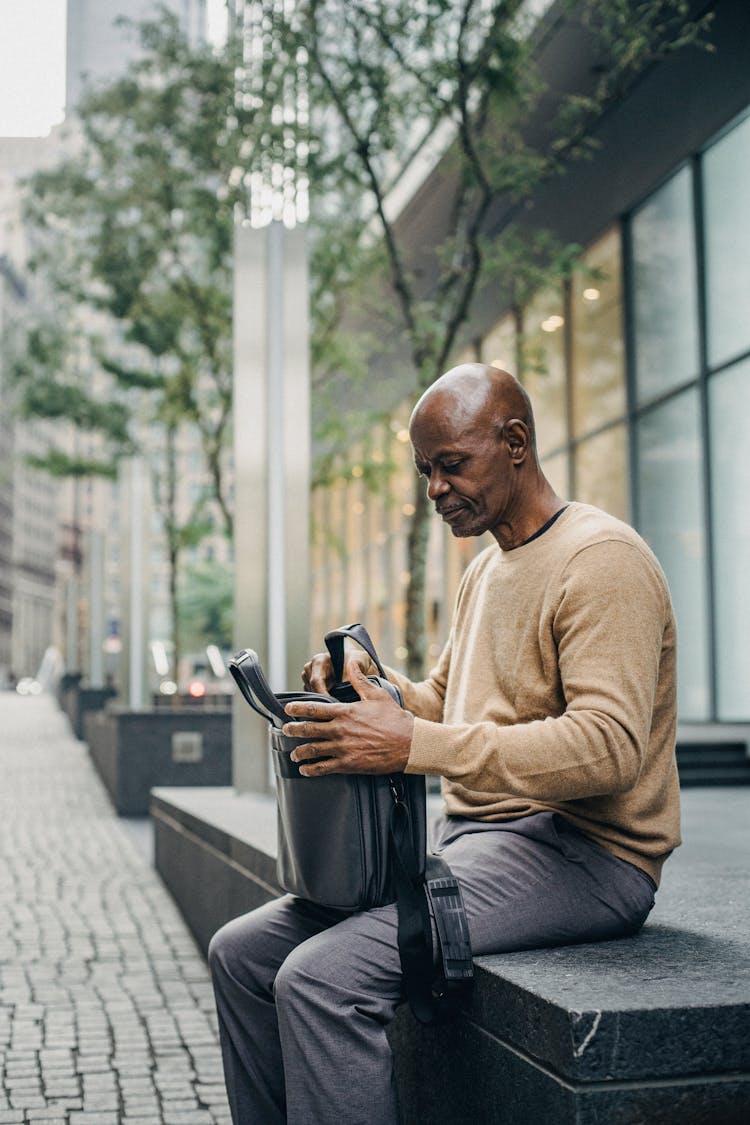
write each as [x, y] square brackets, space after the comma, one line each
[99, 46]
[46, 578]
[640, 379]
[28, 499]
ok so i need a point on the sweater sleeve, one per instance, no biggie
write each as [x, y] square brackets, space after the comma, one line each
[425, 699]
[608, 626]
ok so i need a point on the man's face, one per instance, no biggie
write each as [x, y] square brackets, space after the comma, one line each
[466, 462]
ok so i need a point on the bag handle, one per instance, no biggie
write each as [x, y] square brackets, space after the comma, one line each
[250, 679]
[335, 645]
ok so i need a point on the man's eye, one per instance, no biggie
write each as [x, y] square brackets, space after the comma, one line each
[451, 466]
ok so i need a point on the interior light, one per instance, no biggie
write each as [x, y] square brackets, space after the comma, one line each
[591, 294]
[168, 687]
[552, 323]
[161, 661]
[408, 509]
[402, 436]
[197, 689]
[216, 660]
[357, 471]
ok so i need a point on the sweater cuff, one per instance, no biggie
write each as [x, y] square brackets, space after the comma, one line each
[431, 748]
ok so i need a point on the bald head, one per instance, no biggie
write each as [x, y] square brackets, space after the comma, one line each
[475, 393]
[472, 434]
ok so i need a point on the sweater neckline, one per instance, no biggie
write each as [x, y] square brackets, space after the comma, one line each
[535, 541]
[545, 527]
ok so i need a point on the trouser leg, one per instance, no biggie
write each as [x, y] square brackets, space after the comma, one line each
[244, 957]
[538, 882]
[335, 996]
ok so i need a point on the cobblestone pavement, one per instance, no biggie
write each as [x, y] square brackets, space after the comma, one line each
[106, 1010]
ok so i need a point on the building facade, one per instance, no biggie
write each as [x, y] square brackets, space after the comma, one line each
[638, 368]
[99, 48]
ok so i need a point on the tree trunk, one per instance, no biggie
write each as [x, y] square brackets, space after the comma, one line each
[170, 520]
[419, 533]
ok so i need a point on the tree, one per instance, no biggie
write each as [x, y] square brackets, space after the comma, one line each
[384, 80]
[206, 601]
[133, 239]
[137, 225]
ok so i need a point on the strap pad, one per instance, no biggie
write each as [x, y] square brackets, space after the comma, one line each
[448, 911]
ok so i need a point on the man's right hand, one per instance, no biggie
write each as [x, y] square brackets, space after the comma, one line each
[317, 675]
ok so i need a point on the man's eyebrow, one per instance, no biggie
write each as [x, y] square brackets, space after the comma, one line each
[442, 455]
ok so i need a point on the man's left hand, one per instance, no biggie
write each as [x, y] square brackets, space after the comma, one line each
[370, 736]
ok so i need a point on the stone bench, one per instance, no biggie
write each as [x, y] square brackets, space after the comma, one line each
[652, 1030]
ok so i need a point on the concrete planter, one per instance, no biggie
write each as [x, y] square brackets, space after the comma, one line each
[133, 751]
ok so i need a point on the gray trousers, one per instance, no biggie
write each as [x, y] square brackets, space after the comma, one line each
[304, 994]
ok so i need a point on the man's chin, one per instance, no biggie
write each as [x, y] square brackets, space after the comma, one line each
[465, 530]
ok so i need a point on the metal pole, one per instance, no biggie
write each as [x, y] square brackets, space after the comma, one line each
[96, 608]
[137, 610]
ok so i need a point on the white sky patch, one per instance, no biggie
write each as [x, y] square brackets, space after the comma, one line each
[32, 66]
[32, 62]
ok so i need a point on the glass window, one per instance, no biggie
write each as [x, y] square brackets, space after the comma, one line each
[543, 375]
[555, 470]
[601, 471]
[664, 289]
[726, 174]
[672, 520]
[499, 345]
[729, 400]
[597, 341]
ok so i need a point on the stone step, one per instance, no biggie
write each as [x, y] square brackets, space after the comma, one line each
[651, 1029]
[713, 763]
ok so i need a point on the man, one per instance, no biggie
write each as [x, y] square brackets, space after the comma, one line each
[551, 718]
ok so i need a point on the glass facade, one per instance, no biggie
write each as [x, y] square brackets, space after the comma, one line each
[729, 411]
[726, 174]
[639, 371]
[672, 520]
[664, 289]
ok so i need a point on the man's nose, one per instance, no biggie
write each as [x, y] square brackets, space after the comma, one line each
[437, 486]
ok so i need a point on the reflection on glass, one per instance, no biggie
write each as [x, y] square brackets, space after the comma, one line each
[555, 470]
[499, 345]
[543, 375]
[664, 289]
[597, 341]
[601, 471]
[725, 177]
[729, 399]
[672, 521]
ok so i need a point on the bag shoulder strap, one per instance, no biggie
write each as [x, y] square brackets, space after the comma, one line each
[435, 991]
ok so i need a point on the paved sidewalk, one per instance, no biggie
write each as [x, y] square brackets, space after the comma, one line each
[106, 1010]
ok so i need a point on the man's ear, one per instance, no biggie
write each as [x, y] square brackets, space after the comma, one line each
[518, 438]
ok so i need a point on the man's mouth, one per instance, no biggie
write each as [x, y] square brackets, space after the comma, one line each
[449, 511]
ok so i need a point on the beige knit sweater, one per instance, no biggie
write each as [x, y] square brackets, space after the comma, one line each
[556, 689]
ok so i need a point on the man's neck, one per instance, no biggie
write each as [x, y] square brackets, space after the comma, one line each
[533, 517]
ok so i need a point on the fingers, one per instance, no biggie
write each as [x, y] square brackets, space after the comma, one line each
[317, 675]
[319, 712]
[364, 687]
